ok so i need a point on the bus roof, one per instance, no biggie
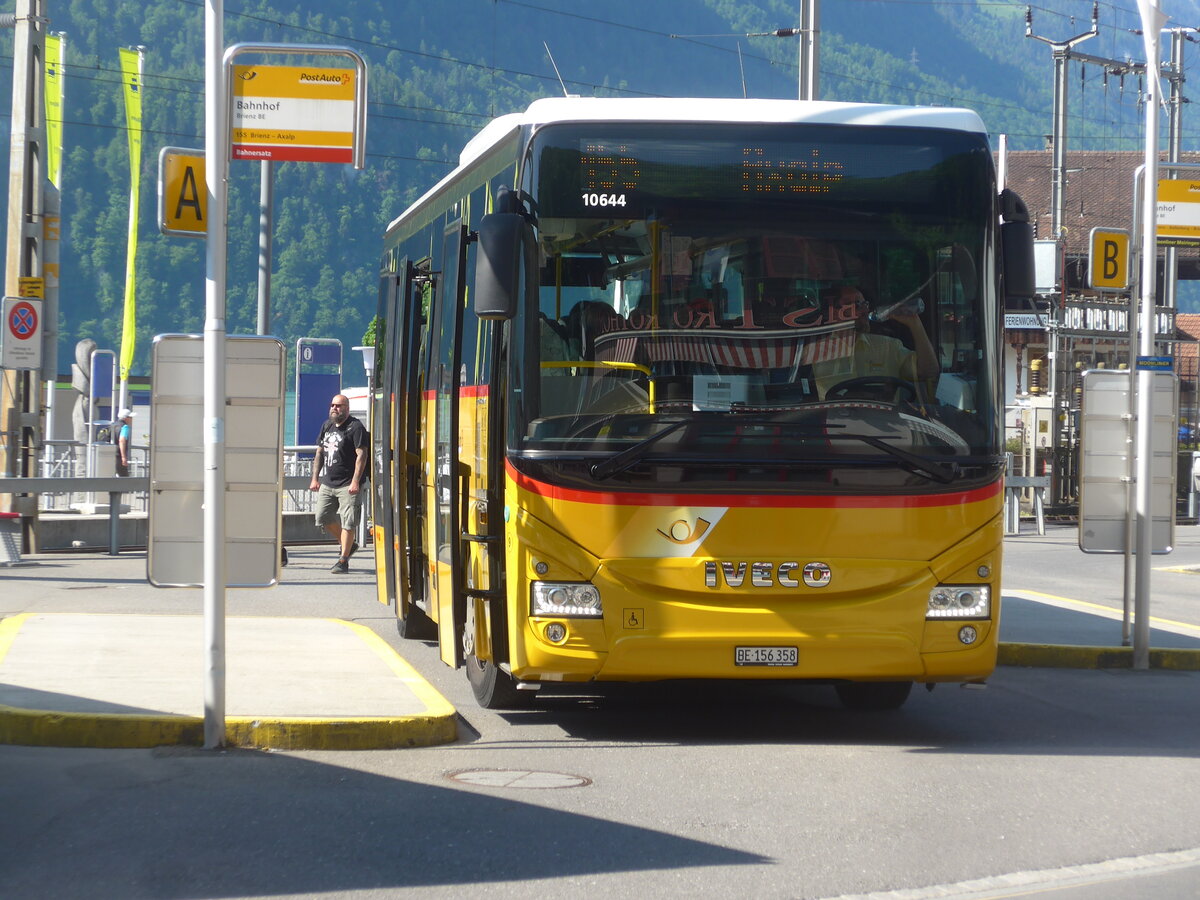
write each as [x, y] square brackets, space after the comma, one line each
[716, 110]
[709, 110]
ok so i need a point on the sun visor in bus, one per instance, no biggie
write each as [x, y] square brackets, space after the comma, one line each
[1016, 245]
[505, 242]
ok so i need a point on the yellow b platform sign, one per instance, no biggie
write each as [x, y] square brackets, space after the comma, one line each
[182, 195]
[1108, 259]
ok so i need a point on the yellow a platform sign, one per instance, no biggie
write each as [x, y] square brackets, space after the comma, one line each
[182, 195]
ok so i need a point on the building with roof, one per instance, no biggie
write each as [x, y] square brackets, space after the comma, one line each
[1073, 327]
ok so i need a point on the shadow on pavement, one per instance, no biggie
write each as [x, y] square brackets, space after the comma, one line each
[257, 824]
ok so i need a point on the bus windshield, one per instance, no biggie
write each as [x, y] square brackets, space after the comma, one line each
[745, 308]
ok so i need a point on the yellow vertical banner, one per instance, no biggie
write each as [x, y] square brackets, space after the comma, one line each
[54, 108]
[131, 77]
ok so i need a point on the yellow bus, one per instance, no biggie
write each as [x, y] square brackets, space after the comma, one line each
[700, 389]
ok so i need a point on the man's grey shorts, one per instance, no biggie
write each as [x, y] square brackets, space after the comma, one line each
[337, 504]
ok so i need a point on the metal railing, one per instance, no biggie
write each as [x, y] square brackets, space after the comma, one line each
[69, 467]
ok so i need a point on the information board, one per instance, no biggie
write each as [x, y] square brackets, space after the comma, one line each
[1106, 465]
[1178, 213]
[318, 379]
[253, 441]
[293, 113]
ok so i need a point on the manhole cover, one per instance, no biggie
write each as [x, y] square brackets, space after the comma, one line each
[518, 778]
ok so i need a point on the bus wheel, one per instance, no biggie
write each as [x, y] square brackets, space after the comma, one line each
[413, 624]
[494, 688]
[873, 695]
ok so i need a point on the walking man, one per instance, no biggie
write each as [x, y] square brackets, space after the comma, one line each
[339, 468]
[124, 440]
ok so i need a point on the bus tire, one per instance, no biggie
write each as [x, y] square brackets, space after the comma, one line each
[412, 623]
[873, 696]
[494, 688]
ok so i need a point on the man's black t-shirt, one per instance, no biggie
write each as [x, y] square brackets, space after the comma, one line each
[338, 444]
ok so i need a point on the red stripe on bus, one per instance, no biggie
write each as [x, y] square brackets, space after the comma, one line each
[632, 498]
[467, 390]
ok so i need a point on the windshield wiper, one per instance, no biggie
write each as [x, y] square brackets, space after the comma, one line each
[619, 462]
[910, 462]
[631, 455]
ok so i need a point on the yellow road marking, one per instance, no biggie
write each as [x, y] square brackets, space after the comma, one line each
[1117, 613]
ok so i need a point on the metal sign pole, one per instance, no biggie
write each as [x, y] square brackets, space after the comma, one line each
[216, 154]
[266, 218]
[1152, 21]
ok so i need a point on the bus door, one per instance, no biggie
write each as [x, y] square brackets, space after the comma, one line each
[408, 516]
[388, 491]
[449, 598]
[394, 432]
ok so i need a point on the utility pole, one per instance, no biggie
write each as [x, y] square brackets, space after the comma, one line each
[1063, 53]
[19, 401]
[810, 35]
[1174, 74]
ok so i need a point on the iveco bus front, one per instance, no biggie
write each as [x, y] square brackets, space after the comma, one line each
[748, 388]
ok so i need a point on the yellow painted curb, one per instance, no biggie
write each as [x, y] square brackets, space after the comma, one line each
[46, 728]
[1061, 656]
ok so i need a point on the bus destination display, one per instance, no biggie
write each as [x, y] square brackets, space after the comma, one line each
[614, 173]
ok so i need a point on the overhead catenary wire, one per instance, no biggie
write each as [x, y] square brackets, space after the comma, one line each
[926, 94]
[931, 95]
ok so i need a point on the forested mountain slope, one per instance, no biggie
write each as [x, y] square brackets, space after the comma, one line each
[438, 71]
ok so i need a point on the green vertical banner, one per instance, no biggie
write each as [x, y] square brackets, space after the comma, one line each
[54, 108]
[131, 77]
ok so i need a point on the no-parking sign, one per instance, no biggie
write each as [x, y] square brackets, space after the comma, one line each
[22, 333]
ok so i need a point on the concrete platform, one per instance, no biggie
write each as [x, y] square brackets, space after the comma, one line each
[83, 680]
[91, 655]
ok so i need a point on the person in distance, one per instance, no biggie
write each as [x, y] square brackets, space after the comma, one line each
[339, 469]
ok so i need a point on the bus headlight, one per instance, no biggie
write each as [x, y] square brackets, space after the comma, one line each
[565, 599]
[959, 601]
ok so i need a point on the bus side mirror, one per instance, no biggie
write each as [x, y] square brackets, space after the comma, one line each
[1016, 247]
[505, 241]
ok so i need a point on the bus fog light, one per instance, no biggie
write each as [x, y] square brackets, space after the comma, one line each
[556, 632]
[565, 599]
[959, 601]
[968, 635]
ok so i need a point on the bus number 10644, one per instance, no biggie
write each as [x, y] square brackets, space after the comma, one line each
[603, 199]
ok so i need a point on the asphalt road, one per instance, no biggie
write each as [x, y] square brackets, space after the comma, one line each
[1054, 564]
[1058, 783]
